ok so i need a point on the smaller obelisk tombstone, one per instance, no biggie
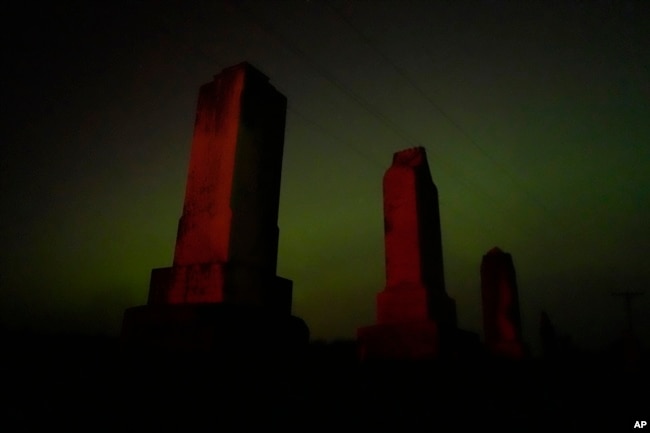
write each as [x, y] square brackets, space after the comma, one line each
[501, 316]
[223, 281]
[414, 311]
[548, 336]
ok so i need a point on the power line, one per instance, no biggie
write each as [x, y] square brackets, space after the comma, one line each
[358, 99]
[382, 118]
[335, 138]
[463, 131]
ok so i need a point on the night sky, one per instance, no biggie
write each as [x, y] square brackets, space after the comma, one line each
[535, 119]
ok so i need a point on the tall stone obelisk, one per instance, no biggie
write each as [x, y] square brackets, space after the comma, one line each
[223, 280]
[227, 241]
[413, 310]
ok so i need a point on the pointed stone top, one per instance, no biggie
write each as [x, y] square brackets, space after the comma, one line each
[411, 157]
[246, 67]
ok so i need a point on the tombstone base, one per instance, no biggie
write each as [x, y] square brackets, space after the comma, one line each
[399, 341]
[212, 283]
[228, 330]
[412, 304]
[514, 350]
[417, 341]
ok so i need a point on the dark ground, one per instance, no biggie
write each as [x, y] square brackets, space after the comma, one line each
[75, 383]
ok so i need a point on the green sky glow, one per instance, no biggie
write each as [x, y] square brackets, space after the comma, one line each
[542, 148]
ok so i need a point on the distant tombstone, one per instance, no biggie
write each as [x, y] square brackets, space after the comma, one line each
[501, 316]
[548, 336]
[414, 311]
[224, 270]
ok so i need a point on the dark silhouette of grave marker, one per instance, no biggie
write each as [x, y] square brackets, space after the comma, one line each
[222, 291]
[501, 315]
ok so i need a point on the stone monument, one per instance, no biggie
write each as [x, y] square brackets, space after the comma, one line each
[223, 279]
[414, 312]
[501, 317]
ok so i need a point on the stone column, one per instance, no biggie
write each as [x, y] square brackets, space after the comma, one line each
[415, 282]
[501, 317]
[415, 316]
[227, 241]
[222, 292]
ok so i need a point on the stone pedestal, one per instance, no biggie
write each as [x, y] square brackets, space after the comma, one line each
[415, 304]
[416, 341]
[218, 282]
[405, 341]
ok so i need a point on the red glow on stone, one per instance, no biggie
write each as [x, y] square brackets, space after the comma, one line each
[414, 268]
[204, 230]
[413, 309]
[226, 245]
[501, 317]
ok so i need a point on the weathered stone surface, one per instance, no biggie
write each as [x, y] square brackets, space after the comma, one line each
[227, 241]
[222, 292]
[501, 317]
[415, 282]
[414, 308]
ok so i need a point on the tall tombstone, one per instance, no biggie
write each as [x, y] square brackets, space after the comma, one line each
[415, 282]
[227, 241]
[501, 316]
[413, 310]
[225, 258]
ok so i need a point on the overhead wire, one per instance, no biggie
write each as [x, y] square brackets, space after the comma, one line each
[450, 119]
[362, 102]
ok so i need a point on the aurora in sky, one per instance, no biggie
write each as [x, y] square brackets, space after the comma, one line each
[535, 119]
